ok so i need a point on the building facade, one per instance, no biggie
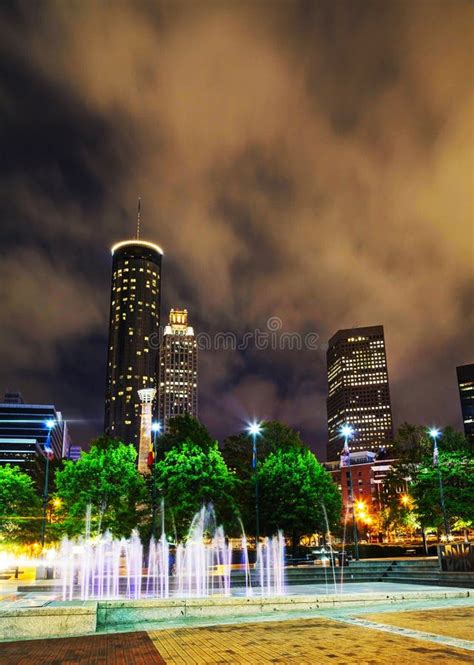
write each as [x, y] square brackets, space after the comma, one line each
[368, 485]
[23, 433]
[133, 335]
[178, 369]
[465, 374]
[358, 390]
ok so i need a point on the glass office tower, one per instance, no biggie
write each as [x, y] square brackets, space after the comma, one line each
[358, 390]
[465, 375]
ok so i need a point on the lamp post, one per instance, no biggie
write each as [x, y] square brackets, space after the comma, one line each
[255, 429]
[156, 429]
[435, 434]
[348, 432]
[48, 452]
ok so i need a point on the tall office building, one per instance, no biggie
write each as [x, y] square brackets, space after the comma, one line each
[466, 393]
[23, 434]
[358, 390]
[133, 335]
[178, 390]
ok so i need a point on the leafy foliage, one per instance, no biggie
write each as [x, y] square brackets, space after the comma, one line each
[412, 443]
[416, 473]
[190, 476]
[106, 478]
[237, 449]
[294, 487]
[457, 474]
[20, 506]
[184, 428]
[237, 452]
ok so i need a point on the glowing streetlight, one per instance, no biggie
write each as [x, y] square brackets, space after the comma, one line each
[255, 430]
[347, 432]
[50, 424]
[435, 433]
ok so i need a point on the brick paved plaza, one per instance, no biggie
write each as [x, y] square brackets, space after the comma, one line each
[435, 635]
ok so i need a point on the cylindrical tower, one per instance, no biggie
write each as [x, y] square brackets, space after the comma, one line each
[134, 325]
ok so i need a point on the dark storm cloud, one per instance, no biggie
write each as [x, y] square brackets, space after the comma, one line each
[306, 160]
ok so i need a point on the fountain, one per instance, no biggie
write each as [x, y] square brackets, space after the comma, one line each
[107, 568]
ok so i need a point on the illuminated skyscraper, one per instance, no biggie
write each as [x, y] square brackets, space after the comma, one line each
[178, 391]
[466, 393]
[133, 335]
[358, 390]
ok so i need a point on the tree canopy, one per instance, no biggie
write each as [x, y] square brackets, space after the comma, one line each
[20, 506]
[237, 449]
[457, 475]
[294, 487]
[106, 478]
[237, 452]
[189, 476]
[180, 429]
[411, 443]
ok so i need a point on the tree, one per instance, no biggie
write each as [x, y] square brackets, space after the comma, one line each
[294, 487]
[237, 449]
[452, 440]
[457, 474]
[20, 506]
[237, 452]
[190, 476]
[106, 478]
[411, 443]
[180, 429]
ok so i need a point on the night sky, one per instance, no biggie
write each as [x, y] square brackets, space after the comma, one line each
[310, 161]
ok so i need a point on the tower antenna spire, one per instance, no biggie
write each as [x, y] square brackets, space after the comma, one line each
[138, 217]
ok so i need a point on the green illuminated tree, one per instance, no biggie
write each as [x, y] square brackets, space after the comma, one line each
[188, 477]
[20, 506]
[237, 452]
[294, 487]
[457, 473]
[107, 478]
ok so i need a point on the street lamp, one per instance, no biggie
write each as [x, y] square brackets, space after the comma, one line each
[49, 455]
[347, 431]
[435, 433]
[405, 500]
[156, 429]
[255, 429]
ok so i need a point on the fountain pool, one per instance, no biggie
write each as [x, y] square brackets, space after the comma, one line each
[104, 567]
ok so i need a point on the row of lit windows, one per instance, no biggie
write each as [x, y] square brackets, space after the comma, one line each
[147, 270]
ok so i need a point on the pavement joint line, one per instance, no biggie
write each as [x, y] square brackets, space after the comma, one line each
[408, 632]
